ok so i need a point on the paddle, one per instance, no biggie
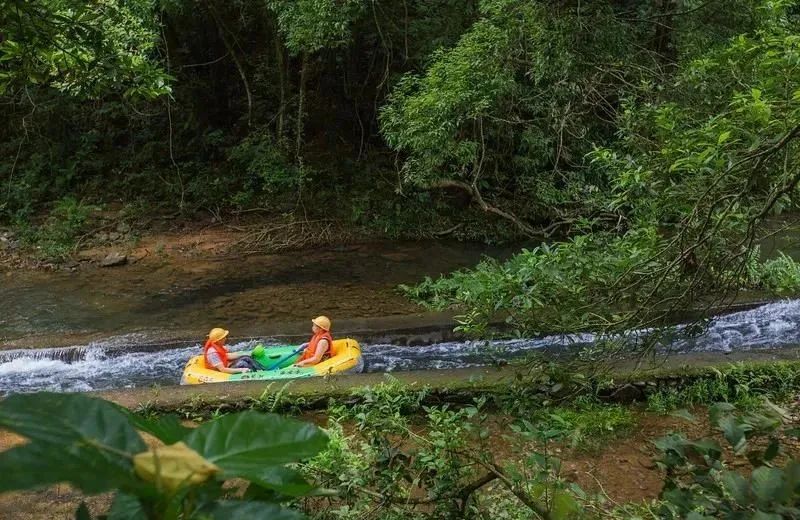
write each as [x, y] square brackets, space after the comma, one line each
[287, 356]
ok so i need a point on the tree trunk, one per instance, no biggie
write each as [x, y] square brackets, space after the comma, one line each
[665, 32]
[232, 52]
[279, 63]
[300, 107]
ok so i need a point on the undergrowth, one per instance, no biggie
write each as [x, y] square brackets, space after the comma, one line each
[745, 385]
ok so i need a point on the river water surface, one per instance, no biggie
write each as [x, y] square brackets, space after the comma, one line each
[136, 326]
[129, 361]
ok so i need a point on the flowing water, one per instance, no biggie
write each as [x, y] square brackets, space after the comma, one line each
[129, 361]
[125, 321]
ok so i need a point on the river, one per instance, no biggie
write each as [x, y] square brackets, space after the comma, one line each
[136, 326]
[129, 361]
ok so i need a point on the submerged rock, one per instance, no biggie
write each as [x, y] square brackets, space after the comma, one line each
[114, 259]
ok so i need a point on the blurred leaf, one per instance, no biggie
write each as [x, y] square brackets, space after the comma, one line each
[126, 507]
[166, 428]
[768, 484]
[232, 510]
[69, 433]
[245, 443]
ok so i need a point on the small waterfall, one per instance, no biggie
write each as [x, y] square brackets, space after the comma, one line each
[63, 354]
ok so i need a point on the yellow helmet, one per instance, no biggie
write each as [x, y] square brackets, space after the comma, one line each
[322, 322]
[217, 334]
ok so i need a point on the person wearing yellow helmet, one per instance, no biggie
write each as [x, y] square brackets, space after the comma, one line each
[217, 357]
[318, 348]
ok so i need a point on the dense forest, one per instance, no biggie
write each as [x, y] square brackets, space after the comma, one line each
[507, 117]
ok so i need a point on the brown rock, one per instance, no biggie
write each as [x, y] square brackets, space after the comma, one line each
[114, 259]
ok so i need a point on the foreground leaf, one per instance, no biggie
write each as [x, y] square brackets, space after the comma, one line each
[253, 511]
[246, 442]
[737, 486]
[768, 485]
[74, 438]
[167, 429]
[126, 507]
[36, 465]
[62, 419]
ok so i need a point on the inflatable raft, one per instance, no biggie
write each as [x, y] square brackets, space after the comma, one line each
[345, 357]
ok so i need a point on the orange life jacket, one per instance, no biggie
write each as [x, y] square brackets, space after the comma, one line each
[219, 349]
[311, 349]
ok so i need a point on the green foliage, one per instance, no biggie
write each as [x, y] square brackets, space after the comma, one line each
[699, 163]
[424, 462]
[588, 426]
[79, 48]
[311, 25]
[559, 288]
[742, 384]
[490, 113]
[780, 275]
[700, 484]
[184, 479]
[56, 237]
[266, 172]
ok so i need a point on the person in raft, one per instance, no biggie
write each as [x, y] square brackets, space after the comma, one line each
[319, 347]
[217, 357]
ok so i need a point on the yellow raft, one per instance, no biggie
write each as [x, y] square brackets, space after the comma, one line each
[345, 357]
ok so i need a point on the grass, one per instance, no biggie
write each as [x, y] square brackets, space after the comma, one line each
[746, 385]
[589, 426]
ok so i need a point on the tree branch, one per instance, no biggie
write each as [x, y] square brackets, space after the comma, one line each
[475, 194]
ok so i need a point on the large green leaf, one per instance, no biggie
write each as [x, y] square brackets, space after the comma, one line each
[69, 419]
[768, 485]
[283, 480]
[734, 431]
[760, 515]
[167, 428]
[246, 442]
[85, 441]
[232, 510]
[563, 505]
[737, 486]
[719, 410]
[126, 507]
[36, 464]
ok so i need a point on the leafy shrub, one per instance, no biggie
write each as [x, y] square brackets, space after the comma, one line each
[437, 464]
[55, 238]
[266, 170]
[546, 289]
[590, 425]
[94, 445]
[743, 384]
[780, 275]
[699, 484]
